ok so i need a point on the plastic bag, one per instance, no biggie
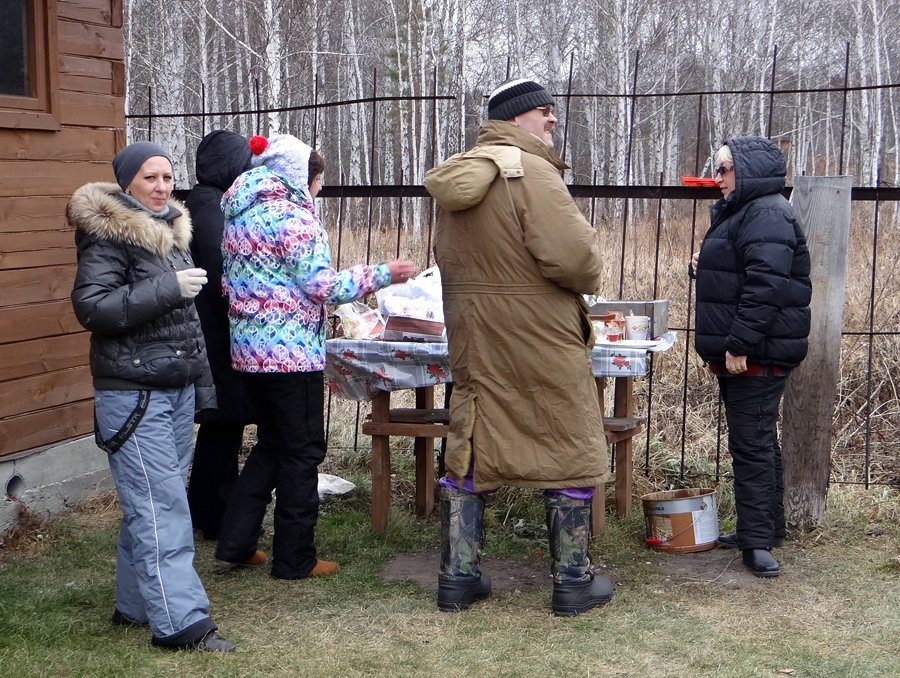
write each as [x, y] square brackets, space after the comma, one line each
[359, 321]
[329, 484]
[420, 297]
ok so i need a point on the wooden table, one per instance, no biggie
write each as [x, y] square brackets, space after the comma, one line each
[372, 370]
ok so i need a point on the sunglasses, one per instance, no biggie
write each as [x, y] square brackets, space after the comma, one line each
[721, 170]
[546, 110]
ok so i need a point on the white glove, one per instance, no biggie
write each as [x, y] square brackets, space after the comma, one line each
[190, 281]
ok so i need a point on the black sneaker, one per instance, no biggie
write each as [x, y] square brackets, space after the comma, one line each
[213, 642]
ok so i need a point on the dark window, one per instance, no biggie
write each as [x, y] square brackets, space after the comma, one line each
[28, 64]
[16, 49]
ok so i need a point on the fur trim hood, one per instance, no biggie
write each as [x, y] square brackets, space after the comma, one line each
[97, 209]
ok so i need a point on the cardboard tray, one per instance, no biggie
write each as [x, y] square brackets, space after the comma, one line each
[407, 328]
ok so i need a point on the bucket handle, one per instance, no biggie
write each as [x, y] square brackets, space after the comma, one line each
[651, 540]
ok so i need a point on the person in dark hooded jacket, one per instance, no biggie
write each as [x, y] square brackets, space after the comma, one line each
[752, 323]
[221, 156]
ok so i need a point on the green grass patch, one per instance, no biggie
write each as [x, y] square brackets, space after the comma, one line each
[834, 611]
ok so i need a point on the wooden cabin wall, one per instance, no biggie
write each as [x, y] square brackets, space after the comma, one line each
[45, 384]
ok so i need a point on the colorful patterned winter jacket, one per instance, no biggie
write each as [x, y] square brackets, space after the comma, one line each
[278, 276]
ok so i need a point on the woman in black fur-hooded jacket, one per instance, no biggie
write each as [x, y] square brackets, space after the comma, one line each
[134, 291]
[145, 334]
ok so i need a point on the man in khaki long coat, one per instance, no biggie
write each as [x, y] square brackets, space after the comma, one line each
[516, 255]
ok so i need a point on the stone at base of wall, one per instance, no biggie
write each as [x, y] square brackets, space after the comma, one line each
[52, 480]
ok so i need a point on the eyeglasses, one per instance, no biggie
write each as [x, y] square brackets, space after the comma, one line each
[546, 110]
[721, 170]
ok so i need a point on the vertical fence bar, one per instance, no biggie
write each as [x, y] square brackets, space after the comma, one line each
[429, 232]
[399, 215]
[202, 109]
[637, 56]
[568, 102]
[868, 442]
[315, 120]
[370, 216]
[844, 108]
[690, 292]
[650, 357]
[772, 93]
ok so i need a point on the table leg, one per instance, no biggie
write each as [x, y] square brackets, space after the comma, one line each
[381, 463]
[624, 407]
[424, 450]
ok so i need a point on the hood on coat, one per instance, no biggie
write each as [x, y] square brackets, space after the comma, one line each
[97, 209]
[759, 169]
[260, 184]
[221, 156]
[462, 181]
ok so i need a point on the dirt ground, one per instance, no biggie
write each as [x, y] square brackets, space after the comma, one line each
[718, 566]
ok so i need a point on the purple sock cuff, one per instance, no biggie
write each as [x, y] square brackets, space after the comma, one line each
[581, 493]
[467, 486]
[576, 492]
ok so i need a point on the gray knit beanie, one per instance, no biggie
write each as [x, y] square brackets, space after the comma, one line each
[129, 160]
[517, 96]
[284, 155]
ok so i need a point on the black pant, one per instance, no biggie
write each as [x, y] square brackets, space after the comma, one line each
[751, 410]
[213, 473]
[291, 444]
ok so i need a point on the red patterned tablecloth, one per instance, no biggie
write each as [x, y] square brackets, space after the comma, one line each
[355, 368]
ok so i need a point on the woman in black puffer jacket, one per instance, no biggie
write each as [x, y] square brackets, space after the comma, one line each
[752, 323]
[134, 291]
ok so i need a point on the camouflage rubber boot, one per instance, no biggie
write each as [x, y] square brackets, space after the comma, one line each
[460, 582]
[575, 587]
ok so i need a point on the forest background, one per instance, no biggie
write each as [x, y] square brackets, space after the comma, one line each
[629, 74]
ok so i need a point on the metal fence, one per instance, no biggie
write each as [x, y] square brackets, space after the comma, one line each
[684, 421]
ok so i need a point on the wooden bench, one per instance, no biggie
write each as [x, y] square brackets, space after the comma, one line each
[425, 423]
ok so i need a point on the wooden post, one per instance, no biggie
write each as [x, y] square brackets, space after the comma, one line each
[381, 463]
[424, 451]
[822, 207]
[624, 408]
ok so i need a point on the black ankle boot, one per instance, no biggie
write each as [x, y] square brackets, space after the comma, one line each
[455, 595]
[572, 598]
[760, 562]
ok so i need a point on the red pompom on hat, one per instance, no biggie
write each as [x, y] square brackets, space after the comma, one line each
[258, 145]
[284, 155]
